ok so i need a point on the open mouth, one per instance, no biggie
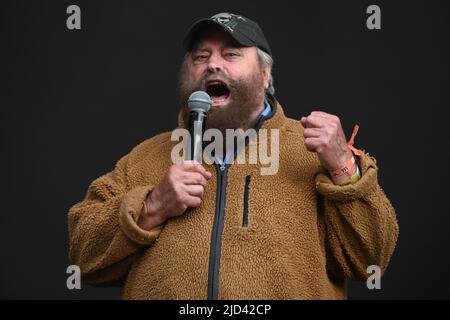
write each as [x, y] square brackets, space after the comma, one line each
[218, 91]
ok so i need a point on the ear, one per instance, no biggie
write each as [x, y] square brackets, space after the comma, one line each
[266, 75]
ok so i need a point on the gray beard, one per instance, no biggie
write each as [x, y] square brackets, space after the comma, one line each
[247, 99]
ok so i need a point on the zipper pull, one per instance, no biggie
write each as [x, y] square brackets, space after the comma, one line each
[222, 167]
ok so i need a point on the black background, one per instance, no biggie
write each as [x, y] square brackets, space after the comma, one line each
[74, 101]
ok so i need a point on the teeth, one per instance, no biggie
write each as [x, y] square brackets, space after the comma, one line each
[218, 100]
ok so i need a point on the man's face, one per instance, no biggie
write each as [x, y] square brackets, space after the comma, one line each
[231, 74]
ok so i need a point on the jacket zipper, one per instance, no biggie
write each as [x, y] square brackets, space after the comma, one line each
[246, 191]
[216, 237]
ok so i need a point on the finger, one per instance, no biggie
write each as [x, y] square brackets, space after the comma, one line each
[325, 115]
[195, 190]
[193, 178]
[312, 133]
[196, 167]
[315, 122]
[190, 162]
[193, 202]
[313, 144]
[320, 114]
[303, 122]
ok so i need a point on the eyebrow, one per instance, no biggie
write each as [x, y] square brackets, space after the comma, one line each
[200, 50]
[225, 47]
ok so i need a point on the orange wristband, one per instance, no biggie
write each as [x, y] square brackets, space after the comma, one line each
[351, 163]
[352, 140]
[345, 170]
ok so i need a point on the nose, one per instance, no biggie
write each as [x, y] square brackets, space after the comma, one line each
[215, 63]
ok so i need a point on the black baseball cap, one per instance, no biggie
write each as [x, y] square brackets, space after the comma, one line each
[242, 29]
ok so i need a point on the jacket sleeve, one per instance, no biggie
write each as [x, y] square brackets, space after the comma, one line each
[360, 223]
[104, 238]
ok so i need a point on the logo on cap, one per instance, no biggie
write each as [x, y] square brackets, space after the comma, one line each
[229, 20]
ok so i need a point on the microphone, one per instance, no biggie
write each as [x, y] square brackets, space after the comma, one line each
[199, 104]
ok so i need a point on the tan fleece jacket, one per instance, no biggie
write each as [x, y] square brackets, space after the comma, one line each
[304, 236]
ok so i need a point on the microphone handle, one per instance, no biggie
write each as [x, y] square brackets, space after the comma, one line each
[196, 128]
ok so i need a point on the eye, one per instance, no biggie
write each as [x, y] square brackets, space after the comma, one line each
[232, 54]
[200, 58]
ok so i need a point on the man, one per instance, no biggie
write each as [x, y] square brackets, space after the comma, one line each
[225, 231]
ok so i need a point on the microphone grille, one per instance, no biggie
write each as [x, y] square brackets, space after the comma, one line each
[199, 101]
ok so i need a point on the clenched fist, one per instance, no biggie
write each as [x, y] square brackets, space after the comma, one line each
[325, 136]
[182, 187]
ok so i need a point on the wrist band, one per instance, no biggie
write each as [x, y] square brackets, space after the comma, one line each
[356, 176]
[351, 163]
[345, 170]
[350, 142]
[353, 179]
[349, 166]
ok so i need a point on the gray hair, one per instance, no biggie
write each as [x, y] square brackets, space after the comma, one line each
[267, 61]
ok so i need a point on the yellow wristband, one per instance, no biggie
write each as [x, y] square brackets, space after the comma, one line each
[356, 176]
[353, 179]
